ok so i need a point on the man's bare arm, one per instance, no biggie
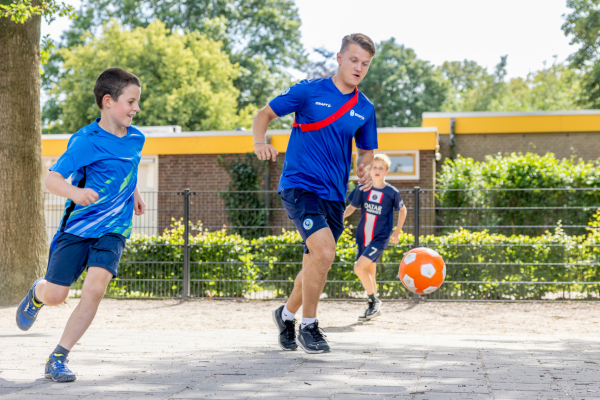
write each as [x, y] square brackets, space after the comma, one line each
[260, 124]
[364, 160]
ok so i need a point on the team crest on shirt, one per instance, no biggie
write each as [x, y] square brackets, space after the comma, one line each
[286, 91]
[307, 224]
[375, 196]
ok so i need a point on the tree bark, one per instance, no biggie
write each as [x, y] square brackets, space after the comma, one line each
[23, 242]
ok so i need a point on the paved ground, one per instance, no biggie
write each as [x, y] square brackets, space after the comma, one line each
[116, 360]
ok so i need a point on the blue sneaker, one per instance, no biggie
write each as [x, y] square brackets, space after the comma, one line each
[28, 310]
[57, 370]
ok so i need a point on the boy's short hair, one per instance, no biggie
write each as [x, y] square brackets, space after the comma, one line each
[360, 39]
[383, 158]
[113, 81]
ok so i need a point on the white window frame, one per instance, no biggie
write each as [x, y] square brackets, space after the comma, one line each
[397, 176]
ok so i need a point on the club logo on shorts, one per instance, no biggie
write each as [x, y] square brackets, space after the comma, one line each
[352, 113]
[286, 91]
[307, 224]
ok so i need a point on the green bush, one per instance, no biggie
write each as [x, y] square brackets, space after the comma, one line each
[493, 202]
[227, 265]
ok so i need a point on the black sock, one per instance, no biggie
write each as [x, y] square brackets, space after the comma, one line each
[61, 350]
[372, 297]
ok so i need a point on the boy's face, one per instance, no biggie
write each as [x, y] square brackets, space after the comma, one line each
[122, 110]
[379, 170]
[353, 64]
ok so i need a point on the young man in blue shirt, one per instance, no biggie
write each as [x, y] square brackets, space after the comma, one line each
[329, 114]
[102, 160]
[375, 228]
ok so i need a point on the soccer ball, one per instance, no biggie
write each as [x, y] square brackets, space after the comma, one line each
[422, 270]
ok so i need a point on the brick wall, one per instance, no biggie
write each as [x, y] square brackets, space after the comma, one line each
[202, 173]
[564, 145]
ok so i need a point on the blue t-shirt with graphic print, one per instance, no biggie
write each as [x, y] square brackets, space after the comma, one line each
[377, 212]
[320, 161]
[98, 160]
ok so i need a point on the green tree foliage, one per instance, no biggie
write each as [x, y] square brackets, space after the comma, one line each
[262, 36]
[474, 89]
[401, 86]
[187, 79]
[583, 25]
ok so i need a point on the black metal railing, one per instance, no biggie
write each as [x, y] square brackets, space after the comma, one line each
[498, 246]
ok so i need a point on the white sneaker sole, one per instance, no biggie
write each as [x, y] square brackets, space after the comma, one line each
[309, 351]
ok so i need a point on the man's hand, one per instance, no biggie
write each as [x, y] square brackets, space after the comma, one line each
[265, 152]
[139, 207]
[84, 197]
[395, 237]
[364, 178]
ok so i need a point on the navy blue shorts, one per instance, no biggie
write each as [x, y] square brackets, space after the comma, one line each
[311, 213]
[70, 255]
[373, 250]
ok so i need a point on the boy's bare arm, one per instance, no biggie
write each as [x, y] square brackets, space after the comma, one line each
[349, 210]
[56, 184]
[395, 238]
[139, 206]
[260, 124]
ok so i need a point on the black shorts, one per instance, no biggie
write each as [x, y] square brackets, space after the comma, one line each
[70, 255]
[311, 213]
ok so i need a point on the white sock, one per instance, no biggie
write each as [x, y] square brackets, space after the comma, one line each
[286, 314]
[307, 321]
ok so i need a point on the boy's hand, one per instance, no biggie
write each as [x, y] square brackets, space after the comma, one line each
[364, 178]
[139, 207]
[265, 152]
[84, 197]
[395, 238]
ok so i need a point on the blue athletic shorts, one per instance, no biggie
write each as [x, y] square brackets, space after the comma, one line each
[70, 255]
[311, 213]
[373, 250]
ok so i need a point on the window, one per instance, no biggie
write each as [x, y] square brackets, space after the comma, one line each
[405, 165]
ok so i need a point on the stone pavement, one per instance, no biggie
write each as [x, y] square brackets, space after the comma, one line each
[243, 364]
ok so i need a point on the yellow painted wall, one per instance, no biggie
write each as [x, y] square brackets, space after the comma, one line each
[517, 124]
[243, 143]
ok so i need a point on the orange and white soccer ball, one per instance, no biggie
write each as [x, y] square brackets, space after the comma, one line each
[422, 270]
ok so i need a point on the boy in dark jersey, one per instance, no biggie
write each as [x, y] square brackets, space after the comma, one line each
[375, 227]
[330, 114]
[102, 160]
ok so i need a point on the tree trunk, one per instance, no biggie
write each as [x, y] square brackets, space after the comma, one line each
[23, 243]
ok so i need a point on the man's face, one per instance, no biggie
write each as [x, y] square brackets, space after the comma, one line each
[353, 64]
[125, 107]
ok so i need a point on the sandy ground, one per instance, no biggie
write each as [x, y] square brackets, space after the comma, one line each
[555, 319]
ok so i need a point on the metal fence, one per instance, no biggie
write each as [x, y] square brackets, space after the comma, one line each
[498, 245]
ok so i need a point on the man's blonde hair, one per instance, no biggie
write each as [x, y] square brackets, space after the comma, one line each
[360, 39]
[383, 158]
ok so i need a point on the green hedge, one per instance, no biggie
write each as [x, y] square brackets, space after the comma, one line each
[227, 265]
[492, 202]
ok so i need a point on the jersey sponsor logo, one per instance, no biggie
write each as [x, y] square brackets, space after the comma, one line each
[308, 224]
[322, 104]
[355, 114]
[373, 208]
[286, 91]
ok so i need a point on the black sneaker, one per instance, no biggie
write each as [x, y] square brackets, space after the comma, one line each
[374, 310]
[287, 331]
[312, 340]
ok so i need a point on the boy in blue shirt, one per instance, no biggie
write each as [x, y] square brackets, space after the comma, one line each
[102, 160]
[330, 114]
[375, 227]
